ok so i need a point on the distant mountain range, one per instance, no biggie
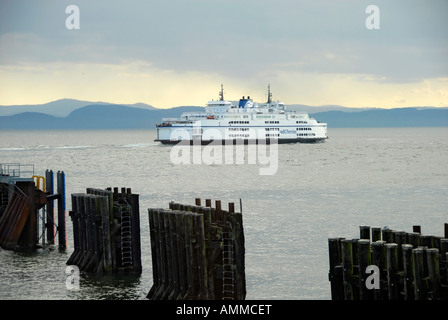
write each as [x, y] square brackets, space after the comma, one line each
[75, 114]
[61, 108]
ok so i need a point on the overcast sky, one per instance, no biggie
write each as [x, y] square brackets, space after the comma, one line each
[178, 52]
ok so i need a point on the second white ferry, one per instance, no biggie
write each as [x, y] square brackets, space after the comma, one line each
[248, 122]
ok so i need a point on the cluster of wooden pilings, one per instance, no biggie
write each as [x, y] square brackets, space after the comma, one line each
[21, 201]
[197, 252]
[410, 266]
[106, 231]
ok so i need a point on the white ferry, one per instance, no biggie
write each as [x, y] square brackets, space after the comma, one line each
[248, 122]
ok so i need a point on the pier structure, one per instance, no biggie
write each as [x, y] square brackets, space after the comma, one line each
[27, 199]
[385, 264]
[106, 231]
[197, 252]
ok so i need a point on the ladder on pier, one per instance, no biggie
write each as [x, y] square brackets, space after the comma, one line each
[126, 235]
[228, 274]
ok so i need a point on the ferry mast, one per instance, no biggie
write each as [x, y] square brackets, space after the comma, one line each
[269, 94]
[221, 93]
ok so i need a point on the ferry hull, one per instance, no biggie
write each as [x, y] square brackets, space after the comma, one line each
[241, 141]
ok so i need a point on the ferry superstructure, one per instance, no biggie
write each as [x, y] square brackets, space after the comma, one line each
[245, 121]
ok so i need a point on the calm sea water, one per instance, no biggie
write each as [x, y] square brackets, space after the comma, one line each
[395, 176]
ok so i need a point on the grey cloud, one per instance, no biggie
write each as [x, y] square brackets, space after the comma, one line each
[236, 37]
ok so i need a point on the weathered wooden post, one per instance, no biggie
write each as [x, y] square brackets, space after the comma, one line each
[420, 290]
[191, 257]
[152, 237]
[347, 271]
[163, 256]
[388, 235]
[335, 274]
[408, 274]
[169, 255]
[201, 256]
[432, 255]
[427, 241]
[181, 254]
[376, 234]
[444, 260]
[400, 239]
[379, 259]
[240, 251]
[88, 234]
[134, 202]
[364, 261]
[74, 216]
[364, 232]
[392, 269]
[107, 243]
[414, 239]
[218, 212]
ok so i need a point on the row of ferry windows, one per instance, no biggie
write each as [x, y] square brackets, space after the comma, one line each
[278, 129]
[267, 129]
[238, 129]
[266, 122]
[238, 135]
[270, 135]
[238, 122]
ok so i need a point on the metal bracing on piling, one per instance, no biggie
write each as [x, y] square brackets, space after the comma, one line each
[21, 202]
[411, 266]
[197, 252]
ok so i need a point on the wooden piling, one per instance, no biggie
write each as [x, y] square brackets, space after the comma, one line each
[188, 252]
[379, 260]
[411, 266]
[408, 273]
[393, 282]
[414, 239]
[432, 255]
[106, 231]
[335, 274]
[420, 288]
[347, 268]
[364, 261]
[388, 235]
[376, 234]
[364, 232]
